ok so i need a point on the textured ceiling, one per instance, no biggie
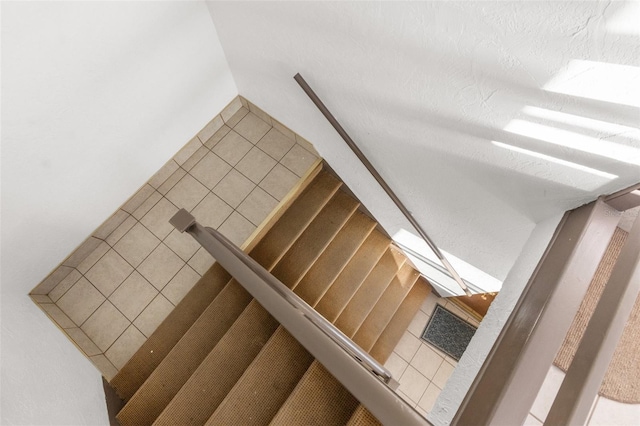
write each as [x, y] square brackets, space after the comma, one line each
[486, 118]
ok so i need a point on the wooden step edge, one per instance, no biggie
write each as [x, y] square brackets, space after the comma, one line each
[412, 281]
[282, 206]
[327, 244]
[393, 332]
[341, 269]
[404, 259]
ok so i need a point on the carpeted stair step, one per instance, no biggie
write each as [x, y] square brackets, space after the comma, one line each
[310, 245]
[169, 332]
[333, 260]
[266, 384]
[167, 379]
[173, 372]
[400, 321]
[352, 276]
[221, 369]
[289, 269]
[370, 291]
[317, 400]
[362, 417]
[386, 307]
[295, 220]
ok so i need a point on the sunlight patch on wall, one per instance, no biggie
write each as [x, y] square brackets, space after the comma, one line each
[625, 21]
[600, 147]
[615, 83]
[610, 130]
[605, 175]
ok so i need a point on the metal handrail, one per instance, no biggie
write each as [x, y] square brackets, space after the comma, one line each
[370, 384]
[345, 136]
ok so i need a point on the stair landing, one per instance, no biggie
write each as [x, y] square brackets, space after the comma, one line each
[110, 295]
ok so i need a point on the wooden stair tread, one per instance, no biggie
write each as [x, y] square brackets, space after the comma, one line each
[353, 274]
[266, 384]
[176, 368]
[221, 369]
[295, 220]
[370, 291]
[169, 332]
[315, 238]
[386, 307]
[318, 400]
[335, 257]
[400, 321]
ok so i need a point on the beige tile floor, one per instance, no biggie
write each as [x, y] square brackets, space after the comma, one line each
[231, 176]
[421, 368]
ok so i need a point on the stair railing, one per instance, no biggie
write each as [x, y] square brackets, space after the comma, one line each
[361, 374]
[365, 161]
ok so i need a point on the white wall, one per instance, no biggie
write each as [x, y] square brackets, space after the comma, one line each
[454, 392]
[424, 88]
[96, 96]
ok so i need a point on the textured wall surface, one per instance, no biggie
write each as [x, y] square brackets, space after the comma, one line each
[426, 88]
[89, 90]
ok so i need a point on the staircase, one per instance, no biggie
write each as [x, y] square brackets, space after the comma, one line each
[220, 359]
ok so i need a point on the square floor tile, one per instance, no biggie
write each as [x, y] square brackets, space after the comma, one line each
[237, 229]
[429, 397]
[407, 346]
[157, 220]
[210, 170]
[109, 272]
[64, 285]
[161, 265]
[187, 193]
[233, 188]
[396, 365]
[125, 346]
[418, 323]
[413, 384]
[298, 160]
[275, 144]
[83, 341]
[136, 244]
[182, 244]
[279, 182]
[257, 206]
[255, 165]
[93, 257]
[180, 285]
[133, 295]
[217, 137]
[105, 325]
[232, 148]
[427, 361]
[153, 315]
[57, 315]
[443, 374]
[201, 261]
[80, 301]
[429, 303]
[252, 128]
[104, 365]
[212, 211]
